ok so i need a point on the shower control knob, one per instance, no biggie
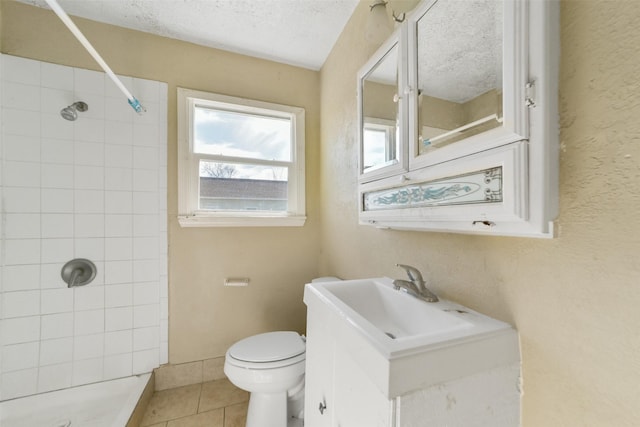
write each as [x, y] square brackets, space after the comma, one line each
[78, 272]
[322, 407]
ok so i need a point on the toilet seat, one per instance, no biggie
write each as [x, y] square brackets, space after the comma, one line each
[267, 351]
[265, 365]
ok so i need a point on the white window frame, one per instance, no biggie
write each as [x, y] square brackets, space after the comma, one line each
[189, 165]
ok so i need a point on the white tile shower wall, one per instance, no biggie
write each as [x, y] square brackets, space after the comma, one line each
[93, 188]
[15, 197]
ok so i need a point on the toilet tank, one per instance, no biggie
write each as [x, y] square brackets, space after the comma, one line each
[326, 279]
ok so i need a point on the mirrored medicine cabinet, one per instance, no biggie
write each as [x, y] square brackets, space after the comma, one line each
[457, 120]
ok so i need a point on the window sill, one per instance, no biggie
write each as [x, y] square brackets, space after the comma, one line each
[212, 220]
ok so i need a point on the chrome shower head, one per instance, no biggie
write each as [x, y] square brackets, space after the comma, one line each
[71, 112]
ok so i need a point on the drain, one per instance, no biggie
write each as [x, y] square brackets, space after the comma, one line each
[449, 310]
[390, 335]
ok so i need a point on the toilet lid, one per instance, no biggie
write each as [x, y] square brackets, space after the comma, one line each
[268, 347]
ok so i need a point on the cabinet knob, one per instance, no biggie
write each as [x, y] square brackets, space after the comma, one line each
[322, 407]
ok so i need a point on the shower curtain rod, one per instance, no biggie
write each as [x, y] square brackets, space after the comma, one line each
[135, 104]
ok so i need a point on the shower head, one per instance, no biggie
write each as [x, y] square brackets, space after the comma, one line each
[71, 112]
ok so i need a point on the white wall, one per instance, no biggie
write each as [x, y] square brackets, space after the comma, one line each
[94, 188]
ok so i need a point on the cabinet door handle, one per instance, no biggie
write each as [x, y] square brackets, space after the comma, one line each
[322, 407]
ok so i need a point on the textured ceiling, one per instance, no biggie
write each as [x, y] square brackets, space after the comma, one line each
[296, 32]
[460, 49]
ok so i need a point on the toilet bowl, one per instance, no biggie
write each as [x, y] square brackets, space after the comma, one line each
[270, 366]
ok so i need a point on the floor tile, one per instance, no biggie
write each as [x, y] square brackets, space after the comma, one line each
[171, 404]
[220, 393]
[236, 415]
[213, 418]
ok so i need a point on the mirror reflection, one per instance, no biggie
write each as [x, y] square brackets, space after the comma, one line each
[380, 113]
[459, 71]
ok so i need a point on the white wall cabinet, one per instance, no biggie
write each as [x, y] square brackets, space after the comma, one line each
[472, 144]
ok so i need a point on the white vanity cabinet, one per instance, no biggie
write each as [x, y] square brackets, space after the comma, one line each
[475, 147]
[462, 369]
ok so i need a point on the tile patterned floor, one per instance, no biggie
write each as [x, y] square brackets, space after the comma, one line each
[211, 404]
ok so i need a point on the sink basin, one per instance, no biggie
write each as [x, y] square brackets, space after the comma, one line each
[405, 344]
[392, 312]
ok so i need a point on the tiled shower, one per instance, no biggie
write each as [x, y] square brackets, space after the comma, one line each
[91, 188]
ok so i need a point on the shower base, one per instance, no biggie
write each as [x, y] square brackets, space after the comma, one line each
[104, 404]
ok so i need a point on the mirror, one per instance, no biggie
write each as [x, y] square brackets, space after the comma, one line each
[459, 71]
[476, 118]
[380, 137]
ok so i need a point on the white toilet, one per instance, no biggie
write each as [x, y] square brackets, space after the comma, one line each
[271, 367]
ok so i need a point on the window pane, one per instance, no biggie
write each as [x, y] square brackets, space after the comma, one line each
[374, 147]
[245, 135]
[379, 145]
[242, 187]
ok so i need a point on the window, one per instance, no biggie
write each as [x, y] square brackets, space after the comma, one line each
[379, 143]
[241, 162]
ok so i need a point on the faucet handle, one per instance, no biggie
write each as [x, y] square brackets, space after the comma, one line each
[413, 273]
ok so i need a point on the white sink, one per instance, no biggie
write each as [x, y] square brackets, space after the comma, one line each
[397, 315]
[405, 344]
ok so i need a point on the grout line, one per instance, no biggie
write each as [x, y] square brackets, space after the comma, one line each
[199, 398]
[223, 408]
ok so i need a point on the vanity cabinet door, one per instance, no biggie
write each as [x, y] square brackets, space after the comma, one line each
[319, 409]
[357, 400]
[337, 391]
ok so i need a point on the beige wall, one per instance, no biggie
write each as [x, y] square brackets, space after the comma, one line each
[378, 101]
[448, 115]
[205, 317]
[440, 113]
[574, 299]
[483, 105]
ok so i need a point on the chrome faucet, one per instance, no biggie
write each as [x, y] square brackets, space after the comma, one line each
[416, 286]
